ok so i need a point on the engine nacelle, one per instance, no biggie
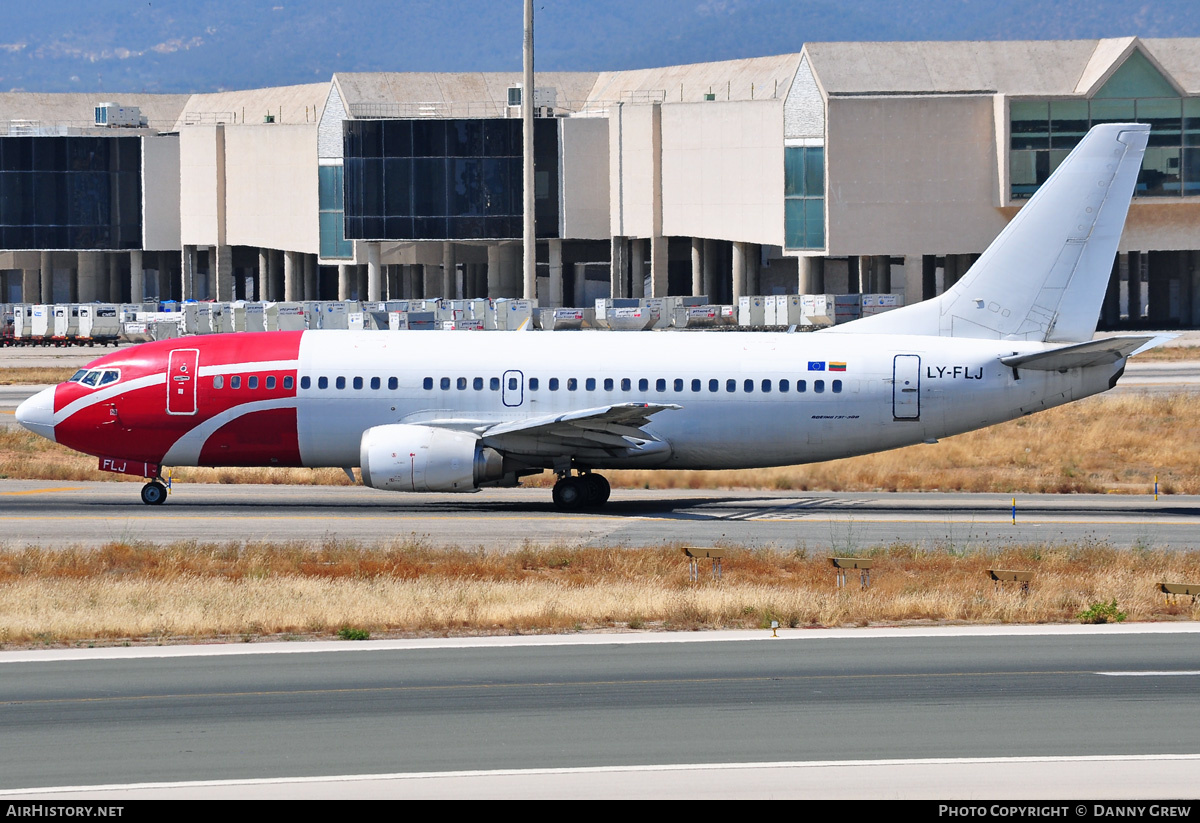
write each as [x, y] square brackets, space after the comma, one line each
[407, 458]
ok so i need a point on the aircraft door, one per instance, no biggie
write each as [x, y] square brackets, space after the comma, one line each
[183, 368]
[513, 388]
[906, 387]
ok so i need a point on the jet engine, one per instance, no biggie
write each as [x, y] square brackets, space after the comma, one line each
[408, 458]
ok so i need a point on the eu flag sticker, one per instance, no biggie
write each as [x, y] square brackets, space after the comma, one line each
[816, 365]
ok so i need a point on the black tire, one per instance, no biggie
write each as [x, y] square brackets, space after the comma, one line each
[569, 494]
[598, 490]
[154, 494]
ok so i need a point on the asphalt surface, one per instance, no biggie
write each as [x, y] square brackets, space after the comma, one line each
[48, 513]
[81, 718]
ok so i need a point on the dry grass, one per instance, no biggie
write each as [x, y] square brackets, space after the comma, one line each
[193, 591]
[1107, 443]
[33, 376]
[1169, 354]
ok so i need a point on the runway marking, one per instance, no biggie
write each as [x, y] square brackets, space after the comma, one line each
[553, 684]
[1150, 674]
[42, 491]
[191, 785]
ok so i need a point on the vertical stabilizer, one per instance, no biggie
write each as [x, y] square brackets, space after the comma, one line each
[1044, 277]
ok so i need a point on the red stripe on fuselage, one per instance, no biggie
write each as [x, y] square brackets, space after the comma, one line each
[261, 438]
[134, 424]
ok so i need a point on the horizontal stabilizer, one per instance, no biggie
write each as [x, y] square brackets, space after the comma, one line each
[1081, 355]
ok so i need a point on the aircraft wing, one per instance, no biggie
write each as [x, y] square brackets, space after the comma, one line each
[613, 431]
[1081, 355]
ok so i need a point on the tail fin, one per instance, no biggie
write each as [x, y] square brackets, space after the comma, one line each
[1045, 276]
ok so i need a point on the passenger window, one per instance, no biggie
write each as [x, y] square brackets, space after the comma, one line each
[322, 382]
[660, 385]
[512, 384]
[271, 381]
[696, 385]
[572, 384]
[590, 384]
[837, 386]
[462, 384]
[714, 385]
[494, 384]
[428, 383]
[252, 382]
[445, 383]
[358, 383]
[305, 382]
[218, 382]
[625, 384]
[341, 383]
[731, 385]
[533, 383]
[748, 386]
[608, 384]
[766, 386]
[235, 382]
[801, 386]
[393, 383]
[643, 385]
[784, 386]
[375, 382]
[818, 386]
[678, 384]
[553, 384]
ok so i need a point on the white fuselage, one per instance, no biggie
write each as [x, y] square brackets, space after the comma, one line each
[893, 391]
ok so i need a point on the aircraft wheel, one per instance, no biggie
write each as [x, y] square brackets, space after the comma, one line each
[154, 494]
[569, 493]
[598, 490]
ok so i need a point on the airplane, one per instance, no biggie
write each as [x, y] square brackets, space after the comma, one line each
[435, 411]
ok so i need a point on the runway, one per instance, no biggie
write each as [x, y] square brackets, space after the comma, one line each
[994, 712]
[56, 514]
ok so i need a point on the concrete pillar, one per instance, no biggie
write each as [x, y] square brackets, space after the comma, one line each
[344, 281]
[449, 270]
[292, 274]
[311, 289]
[374, 274]
[710, 271]
[262, 287]
[618, 276]
[46, 268]
[114, 277]
[809, 278]
[495, 255]
[187, 275]
[697, 266]
[31, 291]
[431, 277]
[137, 277]
[88, 268]
[1134, 289]
[556, 275]
[637, 275]
[222, 268]
[739, 271]
[659, 266]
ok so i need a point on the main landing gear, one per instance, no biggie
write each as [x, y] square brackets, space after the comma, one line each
[586, 491]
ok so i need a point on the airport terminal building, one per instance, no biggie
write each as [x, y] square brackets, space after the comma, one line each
[844, 168]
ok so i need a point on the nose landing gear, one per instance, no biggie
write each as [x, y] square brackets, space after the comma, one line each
[154, 493]
[583, 492]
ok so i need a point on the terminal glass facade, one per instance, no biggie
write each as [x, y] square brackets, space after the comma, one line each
[804, 197]
[71, 193]
[330, 181]
[1044, 132]
[446, 179]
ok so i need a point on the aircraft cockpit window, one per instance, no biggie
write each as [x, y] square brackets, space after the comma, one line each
[110, 376]
[91, 378]
[77, 376]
